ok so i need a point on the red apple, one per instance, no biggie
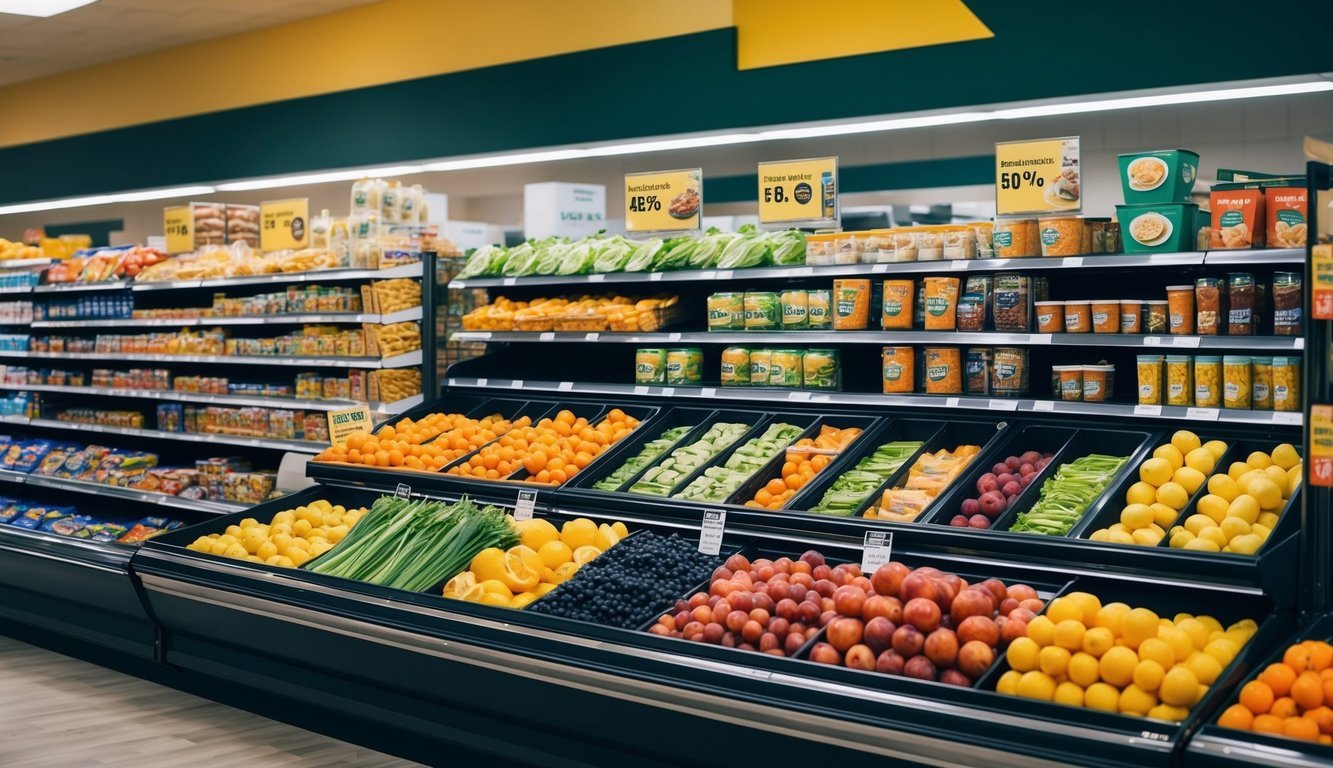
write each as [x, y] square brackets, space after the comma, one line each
[825, 587]
[809, 612]
[741, 601]
[954, 677]
[813, 557]
[827, 617]
[922, 613]
[1022, 614]
[948, 589]
[848, 600]
[722, 573]
[942, 647]
[820, 572]
[768, 641]
[978, 628]
[845, 632]
[738, 562]
[1007, 606]
[908, 640]
[890, 662]
[787, 608]
[973, 601]
[974, 658]
[889, 578]
[919, 667]
[997, 589]
[779, 590]
[713, 633]
[751, 631]
[823, 653]
[793, 643]
[797, 592]
[879, 605]
[878, 634]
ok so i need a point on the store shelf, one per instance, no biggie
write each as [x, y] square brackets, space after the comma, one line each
[15, 289]
[117, 492]
[776, 396]
[1279, 343]
[301, 446]
[1256, 257]
[188, 397]
[178, 322]
[111, 285]
[285, 278]
[25, 263]
[409, 360]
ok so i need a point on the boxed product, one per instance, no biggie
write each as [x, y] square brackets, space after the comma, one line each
[1157, 227]
[1161, 176]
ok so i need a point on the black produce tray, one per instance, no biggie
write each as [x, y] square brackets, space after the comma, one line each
[699, 419]
[1042, 439]
[774, 468]
[758, 421]
[1217, 747]
[1136, 446]
[887, 431]
[808, 422]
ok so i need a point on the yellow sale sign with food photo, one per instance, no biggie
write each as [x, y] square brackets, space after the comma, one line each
[178, 226]
[1040, 176]
[284, 224]
[793, 191]
[664, 201]
[344, 423]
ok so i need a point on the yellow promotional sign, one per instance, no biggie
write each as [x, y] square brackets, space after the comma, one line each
[348, 421]
[284, 224]
[178, 225]
[1321, 269]
[793, 191]
[664, 201]
[1321, 445]
[1041, 176]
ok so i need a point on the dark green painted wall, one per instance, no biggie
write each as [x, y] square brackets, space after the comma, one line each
[919, 174]
[624, 92]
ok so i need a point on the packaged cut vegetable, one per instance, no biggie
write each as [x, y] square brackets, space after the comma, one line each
[928, 477]
[851, 305]
[896, 305]
[941, 303]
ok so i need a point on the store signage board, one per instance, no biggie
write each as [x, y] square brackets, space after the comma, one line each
[876, 551]
[348, 421]
[1321, 445]
[799, 193]
[527, 501]
[563, 209]
[284, 224]
[710, 532]
[1038, 176]
[664, 201]
[178, 226]
[1321, 270]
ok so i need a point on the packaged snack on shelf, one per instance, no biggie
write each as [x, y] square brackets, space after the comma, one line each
[763, 311]
[1016, 238]
[785, 368]
[684, 365]
[726, 311]
[1238, 216]
[1070, 379]
[1180, 303]
[735, 367]
[1012, 302]
[1261, 377]
[1098, 383]
[1061, 236]
[1287, 301]
[819, 303]
[1241, 297]
[1009, 371]
[242, 223]
[1285, 211]
[650, 366]
[1286, 383]
[896, 305]
[1078, 316]
[977, 371]
[851, 305]
[1155, 317]
[1179, 380]
[54, 459]
[943, 371]
[1208, 301]
[70, 525]
[105, 532]
[822, 369]
[1160, 176]
[795, 305]
[1106, 316]
[760, 359]
[1237, 385]
[941, 303]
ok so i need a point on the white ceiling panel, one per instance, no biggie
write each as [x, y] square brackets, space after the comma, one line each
[109, 30]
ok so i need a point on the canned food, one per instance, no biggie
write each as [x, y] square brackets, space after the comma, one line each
[819, 309]
[763, 311]
[726, 312]
[821, 369]
[760, 359]
[795, 310]
[684, 365]
[735, 367]
[785, 369]
[650, 366]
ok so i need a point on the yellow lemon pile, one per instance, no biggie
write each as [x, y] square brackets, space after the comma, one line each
[291, 538]
[1120, 659]
[1167, 482]
[1242, 505]
[544, 558]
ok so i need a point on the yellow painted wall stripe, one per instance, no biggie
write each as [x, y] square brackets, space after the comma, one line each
[384, 42]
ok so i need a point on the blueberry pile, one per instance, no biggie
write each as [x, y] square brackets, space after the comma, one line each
[629, 584]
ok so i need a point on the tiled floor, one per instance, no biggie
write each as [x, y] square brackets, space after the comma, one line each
[58, 712]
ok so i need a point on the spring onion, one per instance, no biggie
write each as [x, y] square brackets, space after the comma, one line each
[1066, 495]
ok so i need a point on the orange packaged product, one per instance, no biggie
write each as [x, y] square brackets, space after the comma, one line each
[899, 370]
[1238, 216]
[896, 306]
[1016, 238]
[1180, 303]
[944, 371]
[941, 303]
[1286, 210]
[851, 305]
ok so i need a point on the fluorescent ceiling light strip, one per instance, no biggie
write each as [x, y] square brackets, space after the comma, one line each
[162, 194]
[120, 197]
[41, 8]
[499, 160]
[875, 126]
[666, 145]
[1163, 100]
[351, 174]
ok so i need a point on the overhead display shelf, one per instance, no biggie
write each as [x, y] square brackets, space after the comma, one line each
[177, 322]
[408, 360]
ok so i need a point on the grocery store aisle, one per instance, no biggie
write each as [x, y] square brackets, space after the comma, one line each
[58, 712]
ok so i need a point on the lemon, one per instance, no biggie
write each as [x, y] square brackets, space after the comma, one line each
[1101, 534]
[1148, 674]
[1223, 649]
[1036, 685]
[1168, 712]
[1217, 448]
[606, 536]
[620, 529]
[1180, 687]
[1180, 538]
[1117, 528]
[555, 554]
[297, 556]
[1266, 492]
[1233, 527]
[1213, 625]
[1201, 545]
[493, 598]
[1171, 454]
[1185, 441]
[1008, 683]
[496, 587]
[1279, 477]
[1285, 456]
[1261, 530]
[1156, 472]
[286, 516]
[234, 531]
[1141, 493]
[1058, 610]
[543, 588]
[579, 532]
[488, 564]
[1205, 667]
[302, 528]
[1136, 516]
[1097, 641]
[1112, 616]
[1147, 537]
[566, 571]
[1163, 515]
[1053, 660]
[536, 532]
[529, 557]
[1069, 635]
[1247, 544]
[1245, 507]
[1197, 631]
[1189, 478]
[1022, 654]
[1259, 460]
[1173, 495]
[1201, 460]
[1160, 650]
[1293, 480]
[1214, 507]
[586, 554]
[1103, 697]
[460, 584]
[1120, 537]
[1196, 522]
[1268, 519]
[1083, 669]
[1069, 694]
[1224, 486]
[522, 599]
[1136, 701]
[1214, 534]
[1117, 666]
[1249, 477]
[201, 544]
[1088, 602]
[1237, 469]
[1140, 624]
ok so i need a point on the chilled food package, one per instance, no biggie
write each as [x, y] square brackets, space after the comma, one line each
[210, 223]
[1061, 235]
[1009, 371]
[795, 304]
[1287, 301]
[927, 478]
[1161, 176]
[734, 369]
[898, 366]
[1286, 209]
[1106, 316]
[663, 478]
[819, 308]
[1078, 316]
[1208, 303]
[976, 370]
[943, 371]
[1180, 303]
[896, 306]
[851, 305]
[1016, 238]
[1238, 216]
[941, 303]
[718, 483]
[650, 366]
[1158, 227]
[763, 311]
[821, 369]
[1012, 302]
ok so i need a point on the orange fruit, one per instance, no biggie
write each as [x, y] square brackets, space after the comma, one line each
[1323, 717]
[1284, 707]
[1321, 654]
[1236, 716]
[1267, 724]
[1279, 677]
[1257, 697]
[1308, 690]
[1300, 728]
[1298, 658]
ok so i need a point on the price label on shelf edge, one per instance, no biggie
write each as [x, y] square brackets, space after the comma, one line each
[1038, 176]
[347, 421]
[664, 201]
[876, 551]
[711, 530]
[403, 491]
[1321, 446]
[527, 501]
[284, 224]
[799, 191]
[178, 227]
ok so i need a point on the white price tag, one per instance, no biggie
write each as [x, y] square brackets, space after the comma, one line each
[798, 395]
[958, 265]
[708, 392]
[596, 278]
[527, 500]
[1003, 405]
[1201, 414]
[1152, 341]
[879, 269]
[547, 336]
[640, 390]
[516, 384]
[710, 532]
[654, 277]
[511, 281]
[673, 337]
[459, 284]
[483, 382]
[708, 274]
[1299, 343]
[1073, 261]
[592, 336]
[1043, 405]
[1147, 410]
[668, 391]
[951, 402]
[803, 271]
[819, 398]
[1287, 417]
[403, 491]
[565, 386]
[876, 551]
[1039, 338]
[483, 334]
[724, 274]
[1185, 341]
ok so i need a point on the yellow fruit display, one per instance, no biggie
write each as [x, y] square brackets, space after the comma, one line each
[1242, 504]
[1127, 660]
[545, 557]
[1167, 482]
[290, 539]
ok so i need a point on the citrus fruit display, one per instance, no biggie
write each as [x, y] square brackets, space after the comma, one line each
[428, 444]
[288, 540]
[1292, 697]
[1242, 505]
[1116, 658]
[1167, 481]
[805, 458]
[552, 450]
[544, 558]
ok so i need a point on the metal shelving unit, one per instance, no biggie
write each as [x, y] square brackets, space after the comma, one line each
[409, 360]
[302, 446]
[179, 322]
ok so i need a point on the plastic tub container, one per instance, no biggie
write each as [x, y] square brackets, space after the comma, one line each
[1106, 316]
[1078, 317]
[1050, 316]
